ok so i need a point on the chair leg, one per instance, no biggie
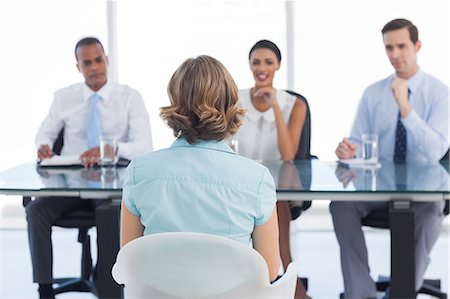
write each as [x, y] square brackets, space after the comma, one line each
[432, 287]
[86, 258]
[382, 283]
[84, 283]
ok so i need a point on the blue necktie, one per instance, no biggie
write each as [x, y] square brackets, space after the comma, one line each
[400, 141]
[94, 124]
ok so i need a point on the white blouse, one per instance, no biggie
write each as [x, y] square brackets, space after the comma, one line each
[258, 137]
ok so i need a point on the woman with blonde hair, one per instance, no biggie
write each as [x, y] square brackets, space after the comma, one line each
[199, 184]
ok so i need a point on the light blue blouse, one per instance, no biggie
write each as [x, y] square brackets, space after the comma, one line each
[203, 187]
[427, 125]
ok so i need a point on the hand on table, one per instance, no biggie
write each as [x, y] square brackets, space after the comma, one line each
[346, 149]
[90, 157]
[44, 152]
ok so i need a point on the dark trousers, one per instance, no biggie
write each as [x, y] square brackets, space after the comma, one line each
[42, 213]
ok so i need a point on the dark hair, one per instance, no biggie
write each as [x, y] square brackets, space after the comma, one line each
[203, 101]
[86, 42]
[266, 44]
[400, 24]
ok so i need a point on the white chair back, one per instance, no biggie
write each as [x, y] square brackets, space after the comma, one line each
[196, 265]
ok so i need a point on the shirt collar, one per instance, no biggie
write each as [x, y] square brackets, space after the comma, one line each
[206, 144]
[415, 81]
[268, 115]
[102, 92]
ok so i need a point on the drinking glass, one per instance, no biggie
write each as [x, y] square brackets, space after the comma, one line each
[108, 151]
[370, 148]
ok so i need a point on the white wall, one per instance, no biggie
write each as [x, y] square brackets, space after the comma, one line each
[37, 40]
[338, 52]
[156, 37]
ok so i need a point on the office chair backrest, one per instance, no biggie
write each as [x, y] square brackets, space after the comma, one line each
[304, 147]
[196, 265]
[446, 156]
[445, 161]
[59, 142]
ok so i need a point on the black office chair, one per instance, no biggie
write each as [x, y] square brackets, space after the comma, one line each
[304, 150]
[303, 153]
[83, 220]
[380, 219]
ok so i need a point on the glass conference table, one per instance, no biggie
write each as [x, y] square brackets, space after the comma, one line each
[298, 180]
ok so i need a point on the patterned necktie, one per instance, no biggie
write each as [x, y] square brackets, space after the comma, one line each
[94, 124]
[400, 141]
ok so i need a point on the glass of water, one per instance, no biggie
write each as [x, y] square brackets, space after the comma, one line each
[108, 151]
[370, 148]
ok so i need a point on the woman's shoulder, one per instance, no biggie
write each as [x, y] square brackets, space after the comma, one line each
[288, 95]
[285, 99]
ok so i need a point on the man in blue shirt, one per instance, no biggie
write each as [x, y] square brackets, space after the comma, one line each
[409, 111]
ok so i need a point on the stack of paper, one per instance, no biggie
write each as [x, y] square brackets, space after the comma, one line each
[61, 161]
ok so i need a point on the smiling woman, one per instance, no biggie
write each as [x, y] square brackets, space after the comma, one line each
[272, 128]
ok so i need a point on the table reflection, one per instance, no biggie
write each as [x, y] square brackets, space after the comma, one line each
[290, 175]
[73, 178]
[396, 177]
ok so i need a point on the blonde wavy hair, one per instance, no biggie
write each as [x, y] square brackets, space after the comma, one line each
[203, 101]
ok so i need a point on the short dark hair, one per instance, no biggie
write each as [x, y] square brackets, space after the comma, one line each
[266, 44]
[86, 42]
[397, 24]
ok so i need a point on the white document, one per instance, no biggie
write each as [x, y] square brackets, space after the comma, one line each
[359, 163]
[57, 160]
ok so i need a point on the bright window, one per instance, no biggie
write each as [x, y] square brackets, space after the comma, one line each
[37, 58]
[156, 37]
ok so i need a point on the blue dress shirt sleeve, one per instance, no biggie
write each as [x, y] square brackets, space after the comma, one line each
[430, 135]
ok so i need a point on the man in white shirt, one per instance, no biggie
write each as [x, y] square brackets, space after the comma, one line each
[119, 112]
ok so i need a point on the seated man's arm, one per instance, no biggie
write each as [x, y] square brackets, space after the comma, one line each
[49, 130]
[139, 131]
[431, 135]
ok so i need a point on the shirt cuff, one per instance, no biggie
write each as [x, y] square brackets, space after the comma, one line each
[412, 120]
